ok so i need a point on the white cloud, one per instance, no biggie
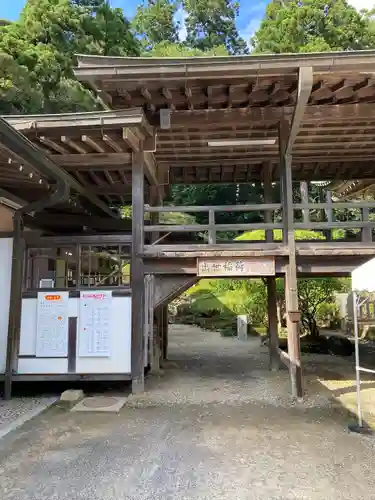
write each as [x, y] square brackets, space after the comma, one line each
[362, 4]
[179, 18]
[250, 30]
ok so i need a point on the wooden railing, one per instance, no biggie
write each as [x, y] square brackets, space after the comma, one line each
[364, 225]
[330, 224]
[212, 227]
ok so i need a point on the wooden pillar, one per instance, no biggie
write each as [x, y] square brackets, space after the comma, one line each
[304, 189]
[291, 291]
[329, 214]
[212, 230]
[273, 334]
[165, 332]
[15, 305]
[366, 232]
[137, 274]
[158, 333]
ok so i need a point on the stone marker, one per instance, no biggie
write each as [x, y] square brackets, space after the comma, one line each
[242, 327]
[71, 395]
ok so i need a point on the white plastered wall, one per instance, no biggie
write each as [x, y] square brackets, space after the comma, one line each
[5, 272]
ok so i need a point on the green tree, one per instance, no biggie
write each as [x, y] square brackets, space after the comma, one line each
[154, 23]
[166, 49]
[312, 26]
[212, 23]
[18, 94]
[44, 41]
[74, 26]
[312, 294]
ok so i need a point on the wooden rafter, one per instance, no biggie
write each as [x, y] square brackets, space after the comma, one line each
[53, 145]
[92, 143]
[73, 145]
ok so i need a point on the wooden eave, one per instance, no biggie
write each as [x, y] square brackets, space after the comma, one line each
[95, 148]
[246, 97]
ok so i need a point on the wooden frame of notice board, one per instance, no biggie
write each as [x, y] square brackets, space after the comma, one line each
[235, 266]
[73, 349]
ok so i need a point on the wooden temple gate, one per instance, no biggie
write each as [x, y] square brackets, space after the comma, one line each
[259, 119]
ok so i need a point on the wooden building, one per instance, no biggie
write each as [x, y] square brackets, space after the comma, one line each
[250, 119]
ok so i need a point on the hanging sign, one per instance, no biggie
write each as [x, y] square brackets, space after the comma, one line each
[95, 314]
[52, 324]
[245, 266]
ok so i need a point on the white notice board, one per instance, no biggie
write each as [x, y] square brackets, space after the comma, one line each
[52, 325]
[95, 314]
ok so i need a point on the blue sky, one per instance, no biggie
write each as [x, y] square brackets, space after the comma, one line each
[251, 12]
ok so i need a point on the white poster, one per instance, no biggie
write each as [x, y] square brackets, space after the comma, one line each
[52, 325]
[94, 334]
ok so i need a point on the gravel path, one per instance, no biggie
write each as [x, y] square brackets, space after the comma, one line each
[16, 412]
[215, 425]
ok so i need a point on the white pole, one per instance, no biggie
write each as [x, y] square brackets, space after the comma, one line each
[357, 367]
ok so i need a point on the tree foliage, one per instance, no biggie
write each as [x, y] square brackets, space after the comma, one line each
[212, 23]
[314, 293]
[154, 22]
[312, 26]
[41, 47]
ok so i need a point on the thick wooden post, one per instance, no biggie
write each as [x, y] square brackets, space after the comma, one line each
[291, 292]
[273, 334]
[15, 305]
[137, 274]
[329, 214]
[366, 231]
[165, 332]
[305, 200]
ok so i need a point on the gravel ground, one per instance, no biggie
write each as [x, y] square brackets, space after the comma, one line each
[17, 411]
[215, 425]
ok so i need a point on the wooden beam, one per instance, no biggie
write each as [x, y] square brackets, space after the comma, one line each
[114, 189]
[151, 169]
[74, 145]
[294, 348]
[124, 93]
[305, 201]
[314, 133]
[93, 144]
[92, 160]
[70, 220]
[29, 154]
[273, 335]
[207, 227]
[215, 208]
[167, 93]
[169, 96]
[209, 97]
[149, 144]
[318, 113]
[137, 274]
[131, 140]
[147, 95]
[291, 293]
[53, 145]
[189, 95]
[305, 82]
[112, 143]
